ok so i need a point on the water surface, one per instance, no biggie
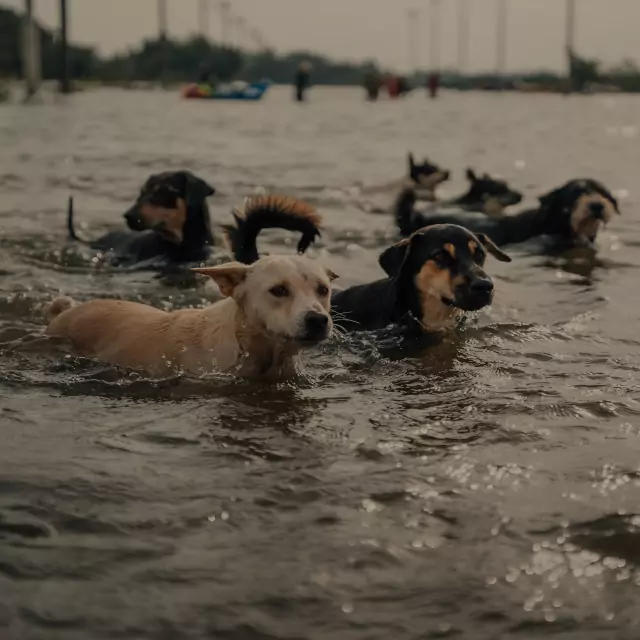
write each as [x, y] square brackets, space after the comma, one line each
[485, 487]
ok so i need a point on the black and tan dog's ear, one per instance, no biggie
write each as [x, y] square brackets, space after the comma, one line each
[412, 162]
[548, 199]
[196, 189]
[471, 175]
[392, 259]
[605, 193]
[490, 246]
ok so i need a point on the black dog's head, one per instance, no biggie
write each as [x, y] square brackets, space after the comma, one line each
[489, 195]
[578, 210]
[173, 205]
[426, 175]
[439, 272]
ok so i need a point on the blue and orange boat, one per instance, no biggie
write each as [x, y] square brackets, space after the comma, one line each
[233, 91]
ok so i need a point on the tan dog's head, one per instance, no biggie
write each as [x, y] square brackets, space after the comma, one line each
[286, 298]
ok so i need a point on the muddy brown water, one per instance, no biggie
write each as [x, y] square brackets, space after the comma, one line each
[485, 487]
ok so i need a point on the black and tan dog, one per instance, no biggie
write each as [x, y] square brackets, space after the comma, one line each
[486, 194]
[432, 276]
[169, 224]
[424, 177]
[571, 215]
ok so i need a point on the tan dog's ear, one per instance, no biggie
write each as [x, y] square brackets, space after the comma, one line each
[332, 275]
[489, 245]
[227, 276]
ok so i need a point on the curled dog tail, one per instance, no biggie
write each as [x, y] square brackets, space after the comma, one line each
[57, 306]
[407, 218]
[270, 211]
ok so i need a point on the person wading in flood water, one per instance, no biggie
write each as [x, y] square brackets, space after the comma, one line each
[302, 80]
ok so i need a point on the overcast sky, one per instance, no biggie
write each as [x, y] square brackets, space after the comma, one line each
[377, 29]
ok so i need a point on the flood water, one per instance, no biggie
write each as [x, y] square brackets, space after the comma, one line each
[486, 487]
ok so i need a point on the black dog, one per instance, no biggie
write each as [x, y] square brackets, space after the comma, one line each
[432, 276]
[486, 195]
[570, 215]
[426, 176]
[172, 220]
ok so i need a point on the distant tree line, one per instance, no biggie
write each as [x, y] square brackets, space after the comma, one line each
[188, 60]
[170, 60]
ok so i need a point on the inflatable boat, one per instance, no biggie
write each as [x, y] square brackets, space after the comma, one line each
[234, 91]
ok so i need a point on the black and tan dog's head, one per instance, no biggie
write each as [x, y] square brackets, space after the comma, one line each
[173, 205]
[489, 195]
[438, 272]
[426, 175]
[578, 210]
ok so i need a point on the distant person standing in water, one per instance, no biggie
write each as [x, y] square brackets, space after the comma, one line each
[372, 85]
[434, 84]
[302, 80]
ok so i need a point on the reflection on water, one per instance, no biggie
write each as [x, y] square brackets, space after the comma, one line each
[484, 485]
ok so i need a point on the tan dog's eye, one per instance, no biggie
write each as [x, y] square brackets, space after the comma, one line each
[279, 291]
[323, 290]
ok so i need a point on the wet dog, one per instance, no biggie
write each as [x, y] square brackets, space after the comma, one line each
[272, 310]
[486, 194]
[424, 177]
[571, 215]
[171, 222]
[432, 277]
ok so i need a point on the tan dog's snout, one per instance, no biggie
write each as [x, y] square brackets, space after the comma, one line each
[316, 326]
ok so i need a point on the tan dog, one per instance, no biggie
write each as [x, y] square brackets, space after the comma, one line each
[272, 309]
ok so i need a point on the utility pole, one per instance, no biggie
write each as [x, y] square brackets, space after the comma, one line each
[463, 36]
[65, 84]
[203, 18]
[30, 52]
[413, 23]
[434, 36]
[225, 10]
[570, 36]
[501, 42]
[162, 36]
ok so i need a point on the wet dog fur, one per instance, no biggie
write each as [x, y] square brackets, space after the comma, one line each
[265, 212]
[169, 224]
[271, 310]
[431, 277]
[571, 215]
[487, 195]
[426, 177]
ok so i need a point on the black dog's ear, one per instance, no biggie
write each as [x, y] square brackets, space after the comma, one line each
[392, 259]
[489, 245]
[550, 199]
[603, 191]
[196, 189]
[412, 162]
[471, 175]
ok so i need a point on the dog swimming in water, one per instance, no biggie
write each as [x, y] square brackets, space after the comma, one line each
[169, 224]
